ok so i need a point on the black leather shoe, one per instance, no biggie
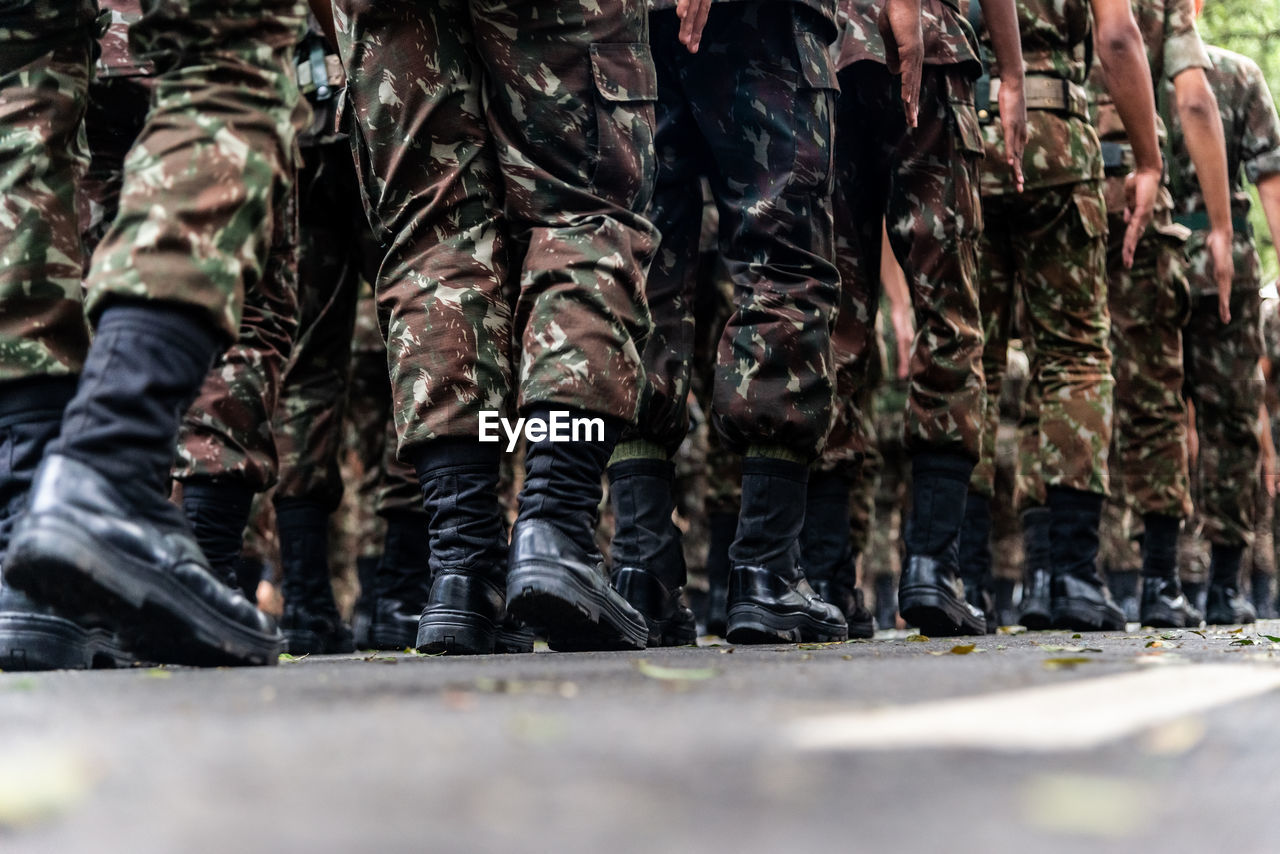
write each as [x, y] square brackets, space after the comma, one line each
[851, 603]
[462, 615]
[1165, 607]
[670, 622]
[86, 550]
[554, 584]
[765, 607]
[931, 597]
[311, 631]
[1036, 609]
[1227, 606]
[37, 637]
[1085, 605]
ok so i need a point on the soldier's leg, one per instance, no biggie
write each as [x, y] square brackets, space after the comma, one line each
[1225, 384]
[43, 337]
[430, 179]
[166, 287]
[1149, 305]
[648, 562]
[934, 219]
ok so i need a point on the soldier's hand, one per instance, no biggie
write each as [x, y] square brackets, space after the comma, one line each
[1013, 120]
[1269, 470]
[693, 17]
[903, 35]
[1218, 242]
[1140, 189]
[904, 336]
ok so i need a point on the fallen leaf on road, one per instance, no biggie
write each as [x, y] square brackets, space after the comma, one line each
[963, 648]
[1011, 630]
[1051, 648]
[676, 674]
[918, 638]
[1065, 663]
[820, 645]
[286, 658]
[1271, 638]
[157, 673]
[1241, 642]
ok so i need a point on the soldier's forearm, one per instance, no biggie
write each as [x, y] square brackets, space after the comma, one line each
[1001, 17]
[1205, 141]
[1124, 63]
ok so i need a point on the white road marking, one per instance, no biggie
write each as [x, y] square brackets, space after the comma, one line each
[1076, 715]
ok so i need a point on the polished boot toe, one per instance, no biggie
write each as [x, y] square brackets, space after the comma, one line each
[670, 622]
[1164, 606]
[1085, 605]
[766, 607]
[462, 615]
[555, 584]
[37, 637]
[393, 626]
[86, 549]
[931, 597]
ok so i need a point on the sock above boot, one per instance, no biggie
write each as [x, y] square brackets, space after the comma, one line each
[145, 367]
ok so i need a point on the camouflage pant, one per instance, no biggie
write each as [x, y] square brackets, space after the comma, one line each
[227, 431]
[1149, 306]
[759, 127]
[1047, 248]
[43, 154]
[892, 476]
[922, 185]
[336, 248]
[473, 154]
[1224, 383]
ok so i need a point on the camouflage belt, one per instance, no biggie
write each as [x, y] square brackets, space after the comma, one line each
[1053, 94]
[1199, 221]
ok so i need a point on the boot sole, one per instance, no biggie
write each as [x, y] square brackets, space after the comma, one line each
[1036, 620]
[455, 633]
[383, 639]
[1164, 618]
[577, 617]
[30, 642]
[752, 624]
[159, 619]
[1084, 618]
[936, 614]
[512, 642]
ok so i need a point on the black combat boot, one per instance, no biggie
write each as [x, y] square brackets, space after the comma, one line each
[826, 550]
[1126, 589]
[403, 582]
[648, 559]
[1227, 605]
[1035, 610]
[975, 556]
[886, 601]
[100, 536]
[1081, 601]
[931, 595]
[218, 512]
[310, 622]
[770, 601]
[1163, 604]
[1262, 595]
[721, 529]
[558, 581]
[362, 613]
[1006, 613]
[35, 636]
[459, 480]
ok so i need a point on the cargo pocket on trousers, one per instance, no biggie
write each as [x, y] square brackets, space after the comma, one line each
[626, 87]
[970, 145]
[1171, 272]
[813, 170]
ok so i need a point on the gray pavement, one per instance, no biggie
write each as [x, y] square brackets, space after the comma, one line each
[1041, 742]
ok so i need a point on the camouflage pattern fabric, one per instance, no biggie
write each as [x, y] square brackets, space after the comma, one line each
[889, 467]
[43, 154]
[922, 184]
[1046, 248]
[751, 111]
[1011, 492]
[825, 8]
[1225, 384]
[948, 37]
[227, 431]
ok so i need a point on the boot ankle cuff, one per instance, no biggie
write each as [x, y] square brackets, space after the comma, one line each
[300, 513]
[640, 467]
[452, 455]
[637, 449]
[943, 465]
[230, 494]
[775, 467]
[41, 398]
[1066, 499]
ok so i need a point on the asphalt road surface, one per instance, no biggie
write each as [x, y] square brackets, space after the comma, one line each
[1039, 742]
